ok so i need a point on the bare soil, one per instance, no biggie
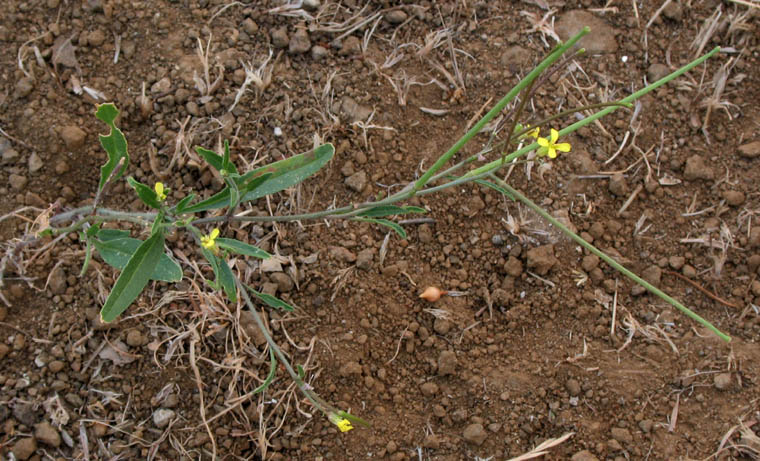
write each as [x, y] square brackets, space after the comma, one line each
[546, 340]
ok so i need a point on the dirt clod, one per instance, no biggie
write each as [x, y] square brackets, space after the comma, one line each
[697, 168]
[475, 434]
[750, 150]
[357, 181]
[573, 387]
[24, 448]
[541, 259]
[47, 434]
[73, 137]
[600, 40]
[447, 363]
[299, 42]
[618, 185]
[622, 435]
[584, 455]
[722, 381]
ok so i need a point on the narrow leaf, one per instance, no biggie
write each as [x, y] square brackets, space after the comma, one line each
[236, 246]
[227, 279]
[270, 376]
[179, 208]
[495, 187]
[111, 234]
[226, 164]
[389, 210]
[215, 160]
[271, 301]
[291, 171]
[218, 200]
[134, 277]
[222, 198]
[115, 144]
[117, 253]
[385, 222]
[146, 194]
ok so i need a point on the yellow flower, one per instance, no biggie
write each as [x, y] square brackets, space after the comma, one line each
[533, 133]
[160, 192]
[209, 241]
[343, 424]
[550, 146]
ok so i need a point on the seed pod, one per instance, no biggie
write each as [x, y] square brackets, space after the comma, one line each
[432, 294]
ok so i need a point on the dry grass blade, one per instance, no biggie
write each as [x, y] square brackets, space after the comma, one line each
[543, 24]
[706, 32]
[541, 449]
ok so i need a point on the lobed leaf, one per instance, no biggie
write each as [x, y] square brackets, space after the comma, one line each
[115, 144]
[134, 277]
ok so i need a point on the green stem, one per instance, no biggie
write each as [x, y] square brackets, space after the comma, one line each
[580, 124]
[548, 61]
[318, 403]
[616, 265]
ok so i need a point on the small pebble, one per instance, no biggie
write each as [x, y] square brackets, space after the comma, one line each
[162, 417]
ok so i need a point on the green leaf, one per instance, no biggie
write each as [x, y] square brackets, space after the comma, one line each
[291, 171]
[495, 187]
[271, 301]
[179, 208]
[115, 144]
[352, 418]
[227, 279]
[146, 194]
[223, 274]
[300, 371]
[222, 198]
[134, 277]
[388, 210]
[87, 257]
[385, 222]
[226, 164]
[111, 234]
[270, 376]
[236, 246]
[216, 160]
[118, 251]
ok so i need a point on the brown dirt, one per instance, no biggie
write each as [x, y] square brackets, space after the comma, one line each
[526, 355]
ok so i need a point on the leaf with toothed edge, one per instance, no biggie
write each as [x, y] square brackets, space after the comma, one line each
[115, 144]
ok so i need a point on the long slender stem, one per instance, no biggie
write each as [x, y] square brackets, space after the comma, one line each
[548, 61]
[616, 265]
[580, 124]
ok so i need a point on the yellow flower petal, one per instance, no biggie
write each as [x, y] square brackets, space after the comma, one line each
[214, 234]
[554, 135]
[543, 142]
[563, 146]
[159, 188]
[552, 153]
[344, 425]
